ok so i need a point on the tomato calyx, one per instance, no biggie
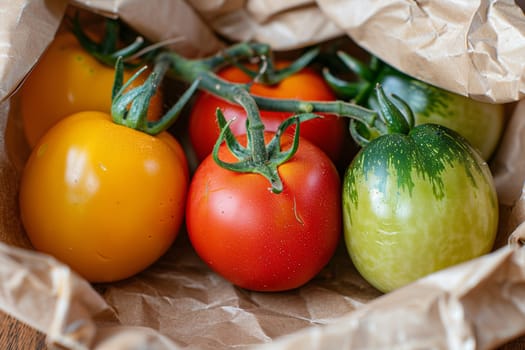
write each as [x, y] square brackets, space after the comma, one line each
[130, 106]
[396, 121]
[107, 50]
[367, 77]
[392, 119]
[268, 74]
[258, 157]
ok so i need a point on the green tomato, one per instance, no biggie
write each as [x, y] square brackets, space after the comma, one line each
[480, 123]
[417, 203]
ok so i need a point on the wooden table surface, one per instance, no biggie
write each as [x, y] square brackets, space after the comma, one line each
[15, 335]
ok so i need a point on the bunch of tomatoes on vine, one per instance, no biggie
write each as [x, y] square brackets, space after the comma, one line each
[271, 182]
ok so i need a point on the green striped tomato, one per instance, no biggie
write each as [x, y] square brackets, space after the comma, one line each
[416, 203]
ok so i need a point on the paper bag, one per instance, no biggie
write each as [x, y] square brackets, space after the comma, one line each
[470, 47]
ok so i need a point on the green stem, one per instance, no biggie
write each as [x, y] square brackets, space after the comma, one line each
[235, 53]
[238, 94]
[339, 108]
[171, 116]
[189, 71]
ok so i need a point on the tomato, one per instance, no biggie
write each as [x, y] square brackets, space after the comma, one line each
[67, 79]
[329, 133]
[260, 240]
[416, 203]
[103, 198]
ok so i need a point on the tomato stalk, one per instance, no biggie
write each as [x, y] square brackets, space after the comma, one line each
[130, 107]
[255, 128]
[392, 119]
[256, 157]
[189, 70]
[266, 73]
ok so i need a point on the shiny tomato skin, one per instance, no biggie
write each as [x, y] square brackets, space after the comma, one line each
[104, 199]
[416, 204]
[259, 240]
[328, 133]
[67, 80]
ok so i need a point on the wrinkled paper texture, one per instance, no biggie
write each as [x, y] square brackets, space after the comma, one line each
[26, 28]
[470, 47]
[282, 24]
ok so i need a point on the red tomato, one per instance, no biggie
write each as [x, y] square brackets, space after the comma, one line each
[328, 133]
[259, 240]
[103, 198]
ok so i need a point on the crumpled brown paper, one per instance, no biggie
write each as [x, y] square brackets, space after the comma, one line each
[178, 302]
[65, 301]
[174, 21]
[472, 47]
[23, 38]
[471, 306]
[282, 24]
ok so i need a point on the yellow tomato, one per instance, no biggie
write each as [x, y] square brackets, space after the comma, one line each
[103, 198]
[66, 80]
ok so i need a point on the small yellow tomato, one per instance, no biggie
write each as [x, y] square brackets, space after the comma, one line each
[103, 198]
